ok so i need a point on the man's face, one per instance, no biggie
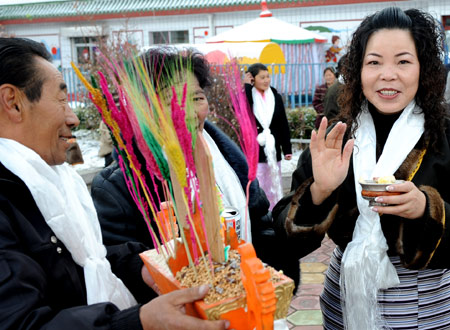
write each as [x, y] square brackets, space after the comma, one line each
[49, 121]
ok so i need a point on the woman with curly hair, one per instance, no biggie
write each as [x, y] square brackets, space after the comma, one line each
[390, 268]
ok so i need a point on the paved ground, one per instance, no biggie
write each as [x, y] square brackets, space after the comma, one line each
[304, 312]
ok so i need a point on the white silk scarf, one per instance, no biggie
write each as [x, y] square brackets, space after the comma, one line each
[66, 205]
[230, 186]
[263, 109]
[366, 267]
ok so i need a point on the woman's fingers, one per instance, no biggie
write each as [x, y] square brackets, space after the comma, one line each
[335, 137]
[410, 205]
[321, 133]
[348, 150]
[313, 142]
[340, 138]
[321, 143]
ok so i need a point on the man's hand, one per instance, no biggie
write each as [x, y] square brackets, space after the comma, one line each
[168, 312]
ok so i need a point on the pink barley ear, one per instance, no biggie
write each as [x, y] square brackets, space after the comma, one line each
[247, 126]
[243, 113]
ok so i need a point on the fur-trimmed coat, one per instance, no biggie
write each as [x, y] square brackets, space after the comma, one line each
[420, 243]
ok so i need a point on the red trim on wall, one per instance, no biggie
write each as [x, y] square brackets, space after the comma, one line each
[293, 4]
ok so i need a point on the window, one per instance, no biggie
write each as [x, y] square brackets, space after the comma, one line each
[160, 37]
[179, 37]
[169, 37]
[84, 50]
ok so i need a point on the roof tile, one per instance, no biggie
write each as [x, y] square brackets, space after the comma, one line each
[96, 7]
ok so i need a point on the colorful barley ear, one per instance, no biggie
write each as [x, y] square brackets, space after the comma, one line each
[247, 126]
[149, 109]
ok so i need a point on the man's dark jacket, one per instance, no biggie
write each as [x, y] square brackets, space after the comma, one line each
[41, 287]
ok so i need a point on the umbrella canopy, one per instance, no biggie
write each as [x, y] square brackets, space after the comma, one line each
[244, 53]
[267, 28]
[268, 52]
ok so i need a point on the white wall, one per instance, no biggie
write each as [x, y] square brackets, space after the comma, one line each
[342, 16]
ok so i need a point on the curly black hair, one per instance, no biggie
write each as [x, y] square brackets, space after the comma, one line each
[163, 62]
[429, 41]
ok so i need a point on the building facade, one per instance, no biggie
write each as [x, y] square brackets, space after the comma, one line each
[71, 30]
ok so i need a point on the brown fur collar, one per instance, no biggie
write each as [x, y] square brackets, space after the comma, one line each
[433, 230]
[292, 229]
[408, 166]
[403, 172]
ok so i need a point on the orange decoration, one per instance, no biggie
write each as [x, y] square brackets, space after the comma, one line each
[255, 308]
[261, 299]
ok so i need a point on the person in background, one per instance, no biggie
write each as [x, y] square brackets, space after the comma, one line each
[390, 268]
[55, 273]
[273, 130]
[330, 102]
[319, 95]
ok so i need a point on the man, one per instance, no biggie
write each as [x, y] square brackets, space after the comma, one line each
[55, 272]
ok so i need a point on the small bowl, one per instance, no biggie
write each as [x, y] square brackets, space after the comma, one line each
[371, 190]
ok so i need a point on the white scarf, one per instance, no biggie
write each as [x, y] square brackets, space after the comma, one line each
[229, 184]
[366, 268]
[263, 109]
[64, 201]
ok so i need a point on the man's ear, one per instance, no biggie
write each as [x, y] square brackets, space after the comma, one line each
[10, 102]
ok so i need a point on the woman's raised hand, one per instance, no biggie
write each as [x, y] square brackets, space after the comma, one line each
[329, 162]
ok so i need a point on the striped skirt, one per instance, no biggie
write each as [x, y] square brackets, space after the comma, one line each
[420, 301]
